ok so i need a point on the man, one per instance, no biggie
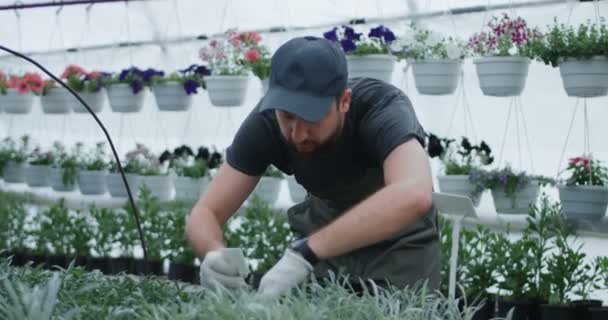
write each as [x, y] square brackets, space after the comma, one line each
[358, 149]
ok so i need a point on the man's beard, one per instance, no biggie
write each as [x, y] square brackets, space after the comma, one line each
[316, 148]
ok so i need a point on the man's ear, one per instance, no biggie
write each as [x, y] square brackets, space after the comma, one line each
[345, 101]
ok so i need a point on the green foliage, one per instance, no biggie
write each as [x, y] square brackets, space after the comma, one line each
[563, 42]
[195, 169]
[96, 159]
[179, 245]
[107, 231]
[272, 171]
[586, 171]
[504, 179]
[459, 159]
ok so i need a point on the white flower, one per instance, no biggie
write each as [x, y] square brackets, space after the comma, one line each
[433, 39]
[453, 51]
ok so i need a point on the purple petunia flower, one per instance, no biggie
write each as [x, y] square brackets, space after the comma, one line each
[148, 74]
[136, 86]
[348, 45]
[377, 32]
[202, 70]
[389, 36]
[331, 35]
[190, 86]
[350, 33]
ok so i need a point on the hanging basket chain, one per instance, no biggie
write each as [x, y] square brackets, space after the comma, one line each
[561, 158]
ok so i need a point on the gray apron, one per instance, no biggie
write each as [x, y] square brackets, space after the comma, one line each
[410, 257]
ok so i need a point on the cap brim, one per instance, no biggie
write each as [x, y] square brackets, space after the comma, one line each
[309, 107]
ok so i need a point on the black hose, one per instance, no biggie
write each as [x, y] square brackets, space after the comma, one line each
[124, 179]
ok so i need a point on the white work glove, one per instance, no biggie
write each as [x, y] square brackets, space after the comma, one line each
[224, 268]
[290, 271]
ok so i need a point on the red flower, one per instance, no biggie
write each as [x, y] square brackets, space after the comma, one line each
[94, 74]
[2, 76]
[23, 87]
[13, 82]
[252, 55]
[32, 77]
[37, 86]
[73, 69]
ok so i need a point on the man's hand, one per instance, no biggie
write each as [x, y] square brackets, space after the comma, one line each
[225, 268]
[290, 271]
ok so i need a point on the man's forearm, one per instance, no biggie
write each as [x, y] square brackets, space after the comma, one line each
[204, 231]
[378, 217]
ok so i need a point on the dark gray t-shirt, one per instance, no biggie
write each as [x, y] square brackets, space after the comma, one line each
[380, 118]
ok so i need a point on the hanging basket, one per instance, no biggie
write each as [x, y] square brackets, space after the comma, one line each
[227, 91]
[502, 76]
[459, 185]
[160, 187]
[95, 100]
[583, 202]
[585, 78]
[519, 203]
[14, 102]
[116, 186]
[122, 98]
[268, 189]
[436, 77]
[92, 182]
[377, 66]
[37, 176]
[56, 181]
[14, 172]
[58, 101]
[170, 96]
[296, 190]
[189, 189]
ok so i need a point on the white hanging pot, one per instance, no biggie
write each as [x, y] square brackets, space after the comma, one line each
[160, 187]
[264, 85]
[268, 189]
[502, 76]
[187, 188]
[583, 202]
[116, 186]
[171, 96]
[122, 98]
[37, 176]
[14, 172]
[95, 100]
[14, 102]
[519, 203]
[56, 181]
[459, 185]
[436, 77]
[92, 182]
[296, 190]
[227, 91]
[585, 78]
[58, 101]
[377, 66]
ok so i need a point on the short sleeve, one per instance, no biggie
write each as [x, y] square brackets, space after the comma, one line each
[389, 122]
[251, 149]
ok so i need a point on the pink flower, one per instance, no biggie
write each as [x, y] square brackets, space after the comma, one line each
[491, 42]
[13, 82]
[37, 86]
[32, 77]
[252, 55]
[203, 54]
[94, 74]
[214, 43]
[2, 76]
[73, 69]
[23, 87]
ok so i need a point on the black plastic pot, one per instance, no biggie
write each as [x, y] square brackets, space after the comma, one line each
[56, 261]
[183, 272]
[523, 310]
[16, 258]
[582, 307]
[144, 268]
[76, 261]
[486, 310]
[96, 263]
[34, 259]
[599, 313]
[559, 312]
[121, 264]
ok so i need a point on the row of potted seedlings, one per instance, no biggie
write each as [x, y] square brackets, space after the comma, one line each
[542, 275]
[108, 240]
[178, 174]
[583, 194]
[503, 51]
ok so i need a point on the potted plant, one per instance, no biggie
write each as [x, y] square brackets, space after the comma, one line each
[14, 159]
[581, 56]
[181, 265]
[133, 167]
[58, 100]
[174, 92]
[155, 176]
[366, 56]
[584, 195]
[62, 174]
[257, 58]
[505, 48]
[191, 175]
[513, 192]
[106, 234]
[37, 169]
[126, 91]
[459, 162]
[436, 60]
[121, 260]
[269, 185]
[229, 79]
[601, 312]
[93, 169]
[17, 92]
[91, 88]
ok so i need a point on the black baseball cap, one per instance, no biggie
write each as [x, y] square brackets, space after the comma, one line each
[306, 75]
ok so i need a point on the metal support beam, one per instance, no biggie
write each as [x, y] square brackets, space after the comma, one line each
[19, 6]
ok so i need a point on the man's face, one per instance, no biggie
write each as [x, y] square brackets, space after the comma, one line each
[306, 138]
